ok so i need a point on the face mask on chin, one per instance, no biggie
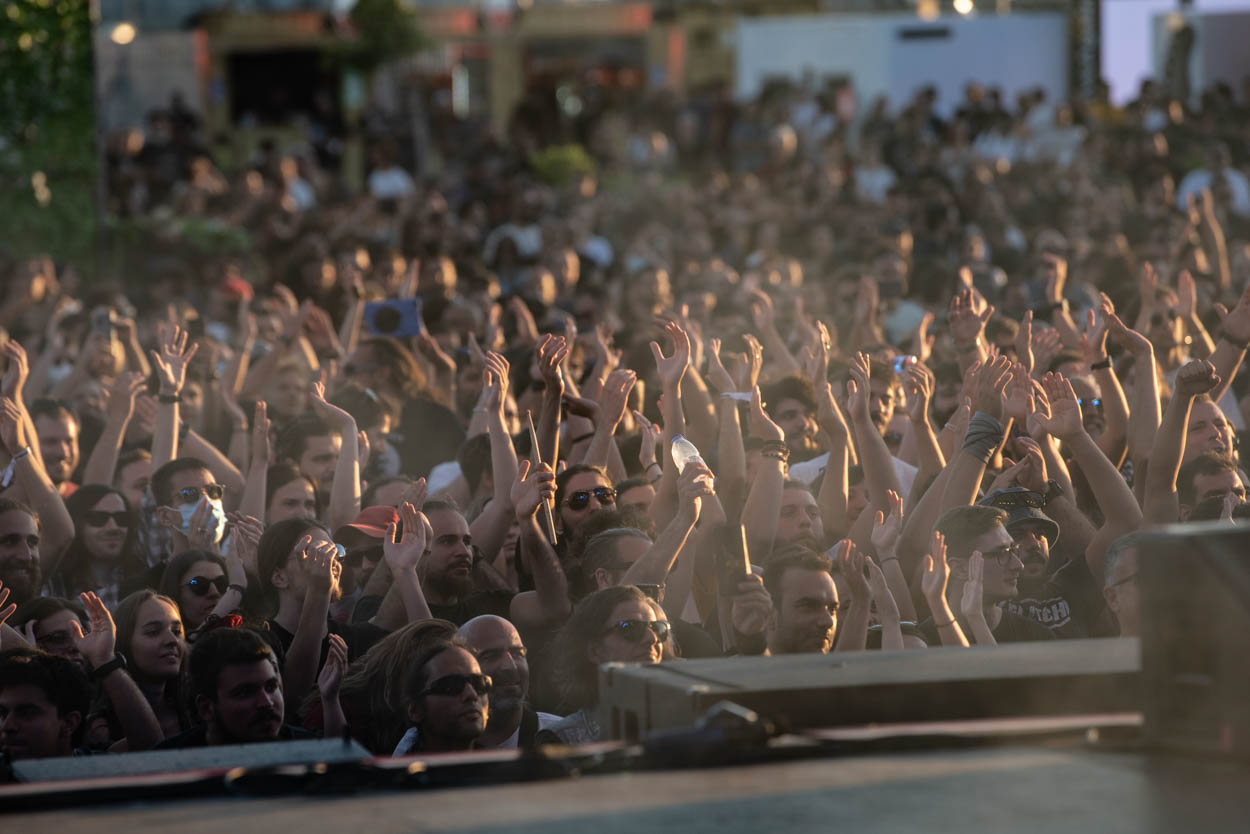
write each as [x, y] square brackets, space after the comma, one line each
[218, 519]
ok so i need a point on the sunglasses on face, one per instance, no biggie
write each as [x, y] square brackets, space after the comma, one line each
[634, 631]
[200, 585]
[99, 518]
[1019, 499]
[191, 494]
[1091, 402]
[455, 684]
[606, 496]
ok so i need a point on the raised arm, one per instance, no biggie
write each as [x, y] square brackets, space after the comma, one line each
[252, 501]
[879, 474]
[1114, 439]
[1230, 348]
[652, 568]
[853, 631]
[102, 464]
[1162, 505]
[765, 319]
[1145, 404]
[612, 400]
[402, 554]
[329, 681]
[762, 510]
[319, 562]
[548, 604]
[13, 386]
[491, 527]
[139, 723]
[551, 353]
[835, 485]
[933, 583]
[671, 369]
[918, 387]
[56, 528]
[885, 534]
[985, 435]
[967, 323]
[171, 372]
[345, 494]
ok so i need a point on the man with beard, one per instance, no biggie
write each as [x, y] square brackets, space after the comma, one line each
[503, 658]
[804, 614]
[446, 571]
[792, 406]
[800, 521]
[1067, 600]
[237, 692]
[58, 429]
[19, 551]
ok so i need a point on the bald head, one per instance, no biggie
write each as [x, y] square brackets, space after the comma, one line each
[502, 656]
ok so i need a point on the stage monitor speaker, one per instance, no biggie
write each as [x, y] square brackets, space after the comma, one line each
[1193, 582]
[1067, 677]
[225, 757]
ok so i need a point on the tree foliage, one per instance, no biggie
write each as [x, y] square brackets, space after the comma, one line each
[47, 128]
[383, 31]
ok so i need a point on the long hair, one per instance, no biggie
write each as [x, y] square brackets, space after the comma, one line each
[170, 585]
[373, 688]
[76, 565]
[576, 677]
[126, 617]
[275, 547]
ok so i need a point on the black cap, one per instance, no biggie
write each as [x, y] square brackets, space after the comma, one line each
[1023, 505]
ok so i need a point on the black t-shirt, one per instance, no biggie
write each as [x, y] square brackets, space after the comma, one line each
[1068, 602]
[198, 737]
[360, 637]
[497, 601]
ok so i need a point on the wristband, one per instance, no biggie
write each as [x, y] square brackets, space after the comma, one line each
[651, 464]
[985, 435]
[234, 586]
[169, 398]
[105, 669]
[1101, 366]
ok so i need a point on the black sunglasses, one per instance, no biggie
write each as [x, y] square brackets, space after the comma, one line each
[191, 494]
[1092, 402]
[371, 554]
[635, 630]
[99, 518]
[200, 585]
[455, 684]
[606, 496]
[1019, 499]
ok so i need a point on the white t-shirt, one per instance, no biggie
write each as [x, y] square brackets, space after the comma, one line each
[809, 470]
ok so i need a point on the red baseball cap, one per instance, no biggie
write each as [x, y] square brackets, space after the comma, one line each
[372, 521]
[236, 288]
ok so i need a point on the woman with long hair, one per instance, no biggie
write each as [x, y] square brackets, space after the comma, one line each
[614, 625]
[104, 552]
[196, 580]
[150, 637]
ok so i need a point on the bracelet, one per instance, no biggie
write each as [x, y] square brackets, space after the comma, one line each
[234, 586]
[945, 624]
[950, 425]
[581, 437]
[169, 398]
[651, 464]
[1101, 366]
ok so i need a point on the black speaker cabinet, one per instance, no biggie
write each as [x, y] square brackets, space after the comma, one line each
[1194, 586]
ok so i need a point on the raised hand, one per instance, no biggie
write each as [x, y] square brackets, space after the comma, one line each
[415, 494]
[649, 435]
[260, 434]
[761, 424]
[1033, 475]
[749, 372]
[552, 351]
[922, 340]
[887, 606]
[693, 485]
[402, 553]
[829, 415]
[1195, 377]
[1020, 394]
[858, 386]
[1094, 337]
[1236, 325]
[333, 416]
[762, 313]
[16, 371]
[331, 676]
[972, 603]
[1186, 295]
[1047, 344]
[991, 383]
[12, 435]
[937, 571]
[1024, 342]
[615, 395]
[967, 323]
[202, 530]
[717, 377]
[1064, 420]
[851, 566]
[170, 364]
[672, 368]
[6, 611]
[494, 383]
[532, 488]
[122, 396]
[886, 528]
[96, 646]
[1056, 277]
[320, 563]
[918, 384]
[1134, 342]
[752, 606]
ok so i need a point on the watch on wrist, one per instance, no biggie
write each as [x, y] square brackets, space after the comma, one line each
[100, 672]
[1053, 491]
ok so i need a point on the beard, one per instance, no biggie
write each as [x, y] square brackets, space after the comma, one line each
[23, 579]
[453, 587]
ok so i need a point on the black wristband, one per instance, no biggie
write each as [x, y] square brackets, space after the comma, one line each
[104, 669]
[1101, 366]
[581, 437]
[169, 398]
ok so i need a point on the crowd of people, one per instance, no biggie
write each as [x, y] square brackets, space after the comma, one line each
[767, 381]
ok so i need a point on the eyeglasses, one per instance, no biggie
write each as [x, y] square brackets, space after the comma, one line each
[191, 494]
[1003, 555]
[54, 640]
[363, 554]
[455, 684]
[606, 496]
[1019, 499]
[200, 585]
[1093, 402]
[99, 518]
[635, 630]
